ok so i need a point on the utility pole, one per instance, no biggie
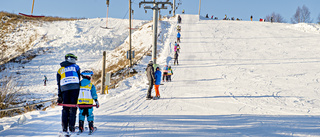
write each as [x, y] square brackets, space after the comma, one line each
[155, 9]
[174, 8]
[130, 50]
[199, 7]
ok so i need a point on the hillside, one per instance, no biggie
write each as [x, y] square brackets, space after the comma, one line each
[234, 78]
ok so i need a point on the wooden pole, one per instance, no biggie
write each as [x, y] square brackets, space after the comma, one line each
[130, 50]
[103, 72]
[107, 16]
[32, 7]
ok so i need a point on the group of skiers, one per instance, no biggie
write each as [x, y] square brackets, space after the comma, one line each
[72, 93]
[154, 77]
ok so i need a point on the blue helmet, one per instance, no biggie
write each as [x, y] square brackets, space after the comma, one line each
[87, 73]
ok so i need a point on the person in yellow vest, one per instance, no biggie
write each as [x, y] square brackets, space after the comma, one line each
[87, 95]
[170, 72]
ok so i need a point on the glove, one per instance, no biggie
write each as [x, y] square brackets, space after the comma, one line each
[60, 100]
[97, 104]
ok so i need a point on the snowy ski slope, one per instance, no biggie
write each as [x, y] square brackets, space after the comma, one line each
[234, 78]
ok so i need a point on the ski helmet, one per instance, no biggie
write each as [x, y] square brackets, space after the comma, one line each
[87, 74]
[70, 55]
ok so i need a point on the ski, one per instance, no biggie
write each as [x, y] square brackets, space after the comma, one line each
[79, 132]
[92, 131]
[64, 134]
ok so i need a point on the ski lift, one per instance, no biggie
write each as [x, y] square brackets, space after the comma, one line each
[107, 3]
[32, 16]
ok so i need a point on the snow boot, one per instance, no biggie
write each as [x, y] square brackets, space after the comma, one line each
[91, 126]
[81, 123]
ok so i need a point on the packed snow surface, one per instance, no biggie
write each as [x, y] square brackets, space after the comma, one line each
[234, 78]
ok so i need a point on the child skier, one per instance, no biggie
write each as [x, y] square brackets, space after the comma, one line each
[157, 76]
[165, 73]
[87, 95]
[45, 80]
[170, 72]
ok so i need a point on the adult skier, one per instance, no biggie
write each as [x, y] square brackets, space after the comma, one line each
[179, 19]
[157, 76]
[151, 79]
[68, 80]
[178, 37]
[176, 55]
[87, 95]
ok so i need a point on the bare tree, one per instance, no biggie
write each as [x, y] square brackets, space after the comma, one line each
[302, 15]
[275, 17]
[319, 19]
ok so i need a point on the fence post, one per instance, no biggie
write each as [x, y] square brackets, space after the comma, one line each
[103, 72]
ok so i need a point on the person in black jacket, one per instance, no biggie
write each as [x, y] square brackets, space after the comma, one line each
[151, 79]
[176, 55]
[68, 80]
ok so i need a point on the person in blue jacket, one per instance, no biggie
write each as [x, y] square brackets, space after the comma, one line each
[87, 95]
[178, 37]
[68, 80]
[157, 76]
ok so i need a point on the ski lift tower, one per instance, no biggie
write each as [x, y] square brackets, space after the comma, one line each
[155, 7]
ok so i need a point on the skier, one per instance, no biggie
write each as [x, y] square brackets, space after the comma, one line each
[178, 48]
[251, 17]
[68, 80]
[170, 72]
[175, 47]
[207, 16]
[271, 19]
[151, 79]
[179, 19]
[178, 37]
[45, 80]
[183, 11]
[165, 73]
[178, 28]
[176, 58]
[157, 76]
[87, 95]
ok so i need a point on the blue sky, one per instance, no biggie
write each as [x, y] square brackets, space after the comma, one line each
[119, 8]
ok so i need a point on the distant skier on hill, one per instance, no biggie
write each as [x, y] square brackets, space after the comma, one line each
[251, 17]
[165, 73]
[68, 80]
[45, 80]
[178, 48]
[176, 55]
[179, 19]
[175, 47]
[170, 72]
[178, 28]
[178, 37]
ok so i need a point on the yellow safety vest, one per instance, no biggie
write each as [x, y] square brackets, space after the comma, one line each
[85, 95]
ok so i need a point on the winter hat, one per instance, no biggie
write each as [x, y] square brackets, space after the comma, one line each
[150, 62]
